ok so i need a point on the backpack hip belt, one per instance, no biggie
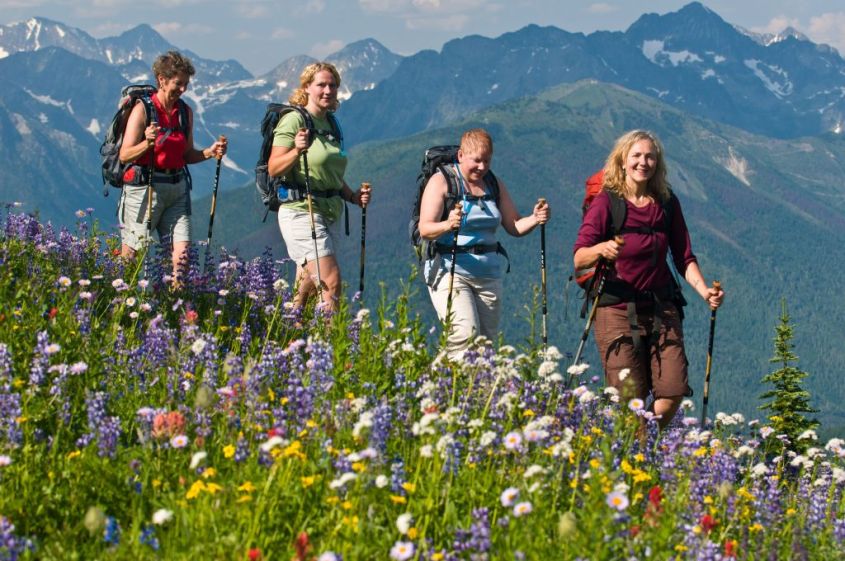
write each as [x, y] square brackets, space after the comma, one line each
[477, 249]
[289, 193]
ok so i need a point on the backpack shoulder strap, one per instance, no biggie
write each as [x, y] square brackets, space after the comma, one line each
[184, 123]
[668, 212]
[618, 213]
[453, 191]
[336, 130]
[493, 185]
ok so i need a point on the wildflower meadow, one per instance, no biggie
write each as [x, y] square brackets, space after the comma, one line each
[215, 422]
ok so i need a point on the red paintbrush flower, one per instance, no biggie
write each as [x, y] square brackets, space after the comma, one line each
[301, 545]
[254, 554]
[707, 522]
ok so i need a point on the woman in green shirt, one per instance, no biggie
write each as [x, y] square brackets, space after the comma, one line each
[326, 165]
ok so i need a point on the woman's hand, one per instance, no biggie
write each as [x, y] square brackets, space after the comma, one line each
[542, 211]
[219, 148]
[715, 296]
[455, 215]
[150, 134]
[609, 250]
[362, 196]
[300, 141]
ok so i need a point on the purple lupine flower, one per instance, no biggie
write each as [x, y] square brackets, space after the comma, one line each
[111, 533]
[10, 410]
[40, 360]
[12, 546]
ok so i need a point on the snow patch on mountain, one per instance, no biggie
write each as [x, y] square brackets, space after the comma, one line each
[759, 68]
[737, 166]
[94, 127]
[20, 124]
[654, 51]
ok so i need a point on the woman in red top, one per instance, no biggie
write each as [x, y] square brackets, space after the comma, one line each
[638, 325]
[168, 144]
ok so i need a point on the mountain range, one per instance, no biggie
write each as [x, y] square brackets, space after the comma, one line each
[751, 125]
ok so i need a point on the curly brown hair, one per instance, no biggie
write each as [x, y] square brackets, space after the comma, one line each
[172, 63]
[614, 167]
[300, 96]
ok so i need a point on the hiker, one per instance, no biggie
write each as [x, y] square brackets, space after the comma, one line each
[479, 260]
[326, 162]
[638, 322]
[168, 145]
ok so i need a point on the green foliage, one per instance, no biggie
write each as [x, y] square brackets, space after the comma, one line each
[141, 423]
[788, 401]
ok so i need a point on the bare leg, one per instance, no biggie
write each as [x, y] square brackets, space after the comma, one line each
[329, 275]
[666, 407]
[180, 262]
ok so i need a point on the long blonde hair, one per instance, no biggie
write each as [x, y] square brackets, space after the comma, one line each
[300, 96]
[614, 167]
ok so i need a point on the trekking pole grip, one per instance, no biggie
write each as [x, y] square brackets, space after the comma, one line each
[221, 138]
[716, 286]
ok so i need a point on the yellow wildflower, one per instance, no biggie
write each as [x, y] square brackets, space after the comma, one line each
[311, 424]
[398, 499]
[195, 489]
[74, 454]
[528, 413]
[308, 481]
[156, 483]
[413, 533]
[359, 467]
[437, 557]
[409, 487]
[247, 487]
[244, 498]
[639, 457]
[708, 500]
[228, 451]
[756, 527]
[213, 488]
[625, 466]
[700, 451]
[346, 505]
[332, 500]
[595, 463]
[284, 400]
[209, 472]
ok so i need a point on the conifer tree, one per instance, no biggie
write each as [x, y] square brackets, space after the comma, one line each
[789, 402]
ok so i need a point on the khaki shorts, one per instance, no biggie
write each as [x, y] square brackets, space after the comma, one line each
[660, 368]
[171, 214]
[295, 226]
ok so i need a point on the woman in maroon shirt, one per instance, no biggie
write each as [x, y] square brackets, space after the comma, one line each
[638, 323]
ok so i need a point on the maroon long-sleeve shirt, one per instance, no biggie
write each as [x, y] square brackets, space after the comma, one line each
[638, 265]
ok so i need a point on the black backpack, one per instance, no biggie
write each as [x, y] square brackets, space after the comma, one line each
[445, 160]
[268, 187]
[112, 168]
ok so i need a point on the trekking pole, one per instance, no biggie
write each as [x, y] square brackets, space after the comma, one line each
[542, 202]
[221, 138]
[601, 273]
[706, 397]
[364, 187]
[458, 207]
[150, 171]
[313, 226]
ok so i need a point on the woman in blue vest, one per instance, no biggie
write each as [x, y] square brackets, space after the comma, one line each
[485, 203]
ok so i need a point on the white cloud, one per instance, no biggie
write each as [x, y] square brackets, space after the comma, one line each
[383, 5]
[173, 29]
[777, 24]
[252, 11]
[282, 33]
[600, 8]
[315, 6]
[828, 28]
[322, 50]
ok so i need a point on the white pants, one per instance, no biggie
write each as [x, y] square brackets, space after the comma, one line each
[475, 309]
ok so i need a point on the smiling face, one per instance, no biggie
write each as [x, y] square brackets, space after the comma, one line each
[474, 163]
[173, 88]
[322, 91]
[640, 163]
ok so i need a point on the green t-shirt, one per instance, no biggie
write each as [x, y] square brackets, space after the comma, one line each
[326, 163]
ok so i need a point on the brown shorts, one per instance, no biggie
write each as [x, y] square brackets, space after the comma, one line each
[660, 367]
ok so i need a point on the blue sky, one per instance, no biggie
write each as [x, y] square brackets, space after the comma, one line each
[260, 33]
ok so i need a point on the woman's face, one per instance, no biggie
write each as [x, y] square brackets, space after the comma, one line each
[322, 91]
[475, 163]
[640, 163]
[173, 88]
